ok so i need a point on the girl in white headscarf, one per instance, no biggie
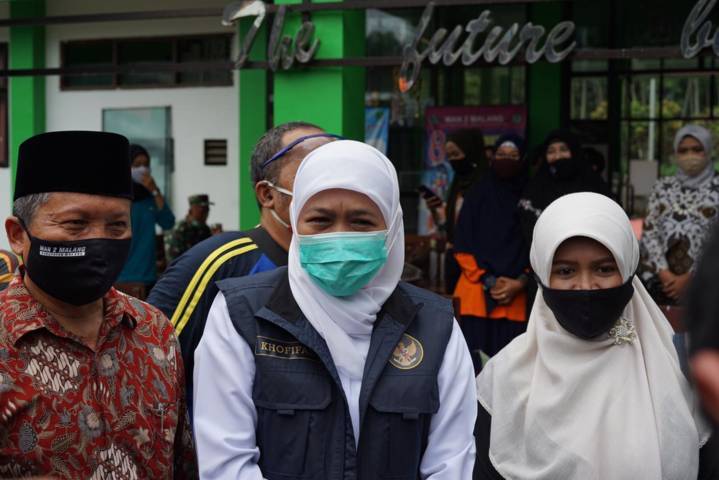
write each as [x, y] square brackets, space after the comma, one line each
[362, 346]
[682, 211]
[593, 390]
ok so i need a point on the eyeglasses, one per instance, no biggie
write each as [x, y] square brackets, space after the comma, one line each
[292, 145]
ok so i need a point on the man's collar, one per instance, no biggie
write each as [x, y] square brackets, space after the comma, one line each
[21, 313]
[268, 246]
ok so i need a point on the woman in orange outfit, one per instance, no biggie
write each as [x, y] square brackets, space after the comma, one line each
[493, 254]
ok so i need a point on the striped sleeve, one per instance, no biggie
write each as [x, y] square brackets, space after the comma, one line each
[203, 276]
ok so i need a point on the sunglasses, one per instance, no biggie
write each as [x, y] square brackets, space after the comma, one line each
[292, 145]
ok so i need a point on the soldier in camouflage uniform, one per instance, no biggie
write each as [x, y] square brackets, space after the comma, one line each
[8, 266]
[193, 229]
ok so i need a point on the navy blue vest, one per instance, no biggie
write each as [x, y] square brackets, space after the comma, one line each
[304, 429]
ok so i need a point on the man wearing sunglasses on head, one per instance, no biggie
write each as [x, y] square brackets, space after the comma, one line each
[186, 290]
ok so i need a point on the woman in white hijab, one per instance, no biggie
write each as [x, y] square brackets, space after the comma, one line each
[332, 368]
[593, 390]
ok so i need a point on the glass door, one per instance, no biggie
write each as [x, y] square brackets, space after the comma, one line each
[151, 128]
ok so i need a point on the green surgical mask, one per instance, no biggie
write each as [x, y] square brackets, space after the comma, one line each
[344, 262]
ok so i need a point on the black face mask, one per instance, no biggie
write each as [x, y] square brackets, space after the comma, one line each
[564, 169]
[588, 313]
[507, 169]
[77, 272]
[463, 167]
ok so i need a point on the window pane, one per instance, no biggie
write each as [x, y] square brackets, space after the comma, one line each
[686, 96]
[641, 97]
[589, 98]
[518, 80]
[590, 65]
[650, 23]
[681, 63]
[643, 140]
[591, 19]
[201, 49]
[93, 53]
[643, 64]
[472, 87]
[137, 52]
[494, 86]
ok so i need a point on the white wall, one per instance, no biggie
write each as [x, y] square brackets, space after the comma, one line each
[197, 113]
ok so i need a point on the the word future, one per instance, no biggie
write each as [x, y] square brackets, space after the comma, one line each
[499, 44]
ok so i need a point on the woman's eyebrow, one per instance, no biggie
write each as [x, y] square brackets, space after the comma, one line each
[359, 212]
[608, 259]
[558, 261]
[322, 211]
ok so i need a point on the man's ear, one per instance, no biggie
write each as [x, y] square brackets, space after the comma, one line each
[16, 235]
[265, 195]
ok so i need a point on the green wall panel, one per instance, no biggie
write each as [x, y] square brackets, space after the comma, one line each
[252, 84]
[332, 98]
[27, 94]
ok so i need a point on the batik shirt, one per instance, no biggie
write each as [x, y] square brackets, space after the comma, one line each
[115, 412]
[678, 222]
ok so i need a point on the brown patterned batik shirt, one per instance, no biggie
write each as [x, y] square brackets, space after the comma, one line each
[66, 411]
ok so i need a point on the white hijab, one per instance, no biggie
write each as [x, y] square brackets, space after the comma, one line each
[566, 408]
[355, 166]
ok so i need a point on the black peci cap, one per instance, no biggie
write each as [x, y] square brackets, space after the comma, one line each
[96, 163]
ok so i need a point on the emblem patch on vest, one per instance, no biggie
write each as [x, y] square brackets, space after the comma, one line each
[270, 347]
[408, 353]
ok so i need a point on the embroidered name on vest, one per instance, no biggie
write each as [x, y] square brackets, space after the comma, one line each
[269, 347]
[408, 353]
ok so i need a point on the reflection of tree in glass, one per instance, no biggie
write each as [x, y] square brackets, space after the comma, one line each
[686, 99]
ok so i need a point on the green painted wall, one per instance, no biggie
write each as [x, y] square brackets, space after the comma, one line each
[332, 98]
[27, 94]
[544, 81]
[252, 122]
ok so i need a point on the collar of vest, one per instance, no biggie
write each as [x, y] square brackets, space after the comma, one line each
[399, 306]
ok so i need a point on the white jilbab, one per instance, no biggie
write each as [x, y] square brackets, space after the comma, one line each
[225, 417]
[609, 408]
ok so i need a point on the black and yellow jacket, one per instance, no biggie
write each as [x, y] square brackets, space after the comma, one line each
[187, 289]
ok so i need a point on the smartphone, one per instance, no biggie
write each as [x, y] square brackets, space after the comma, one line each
[426, 192]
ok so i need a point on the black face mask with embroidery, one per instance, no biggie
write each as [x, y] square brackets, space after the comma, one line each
[78, 272]
[588, 313]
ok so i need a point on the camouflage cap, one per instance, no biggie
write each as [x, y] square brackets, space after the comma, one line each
[201, 199]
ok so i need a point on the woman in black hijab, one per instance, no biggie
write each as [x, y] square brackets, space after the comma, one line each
[562, 170]
[465, 152]
[493, 255]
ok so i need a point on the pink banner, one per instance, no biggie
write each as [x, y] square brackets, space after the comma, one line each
[492, 121]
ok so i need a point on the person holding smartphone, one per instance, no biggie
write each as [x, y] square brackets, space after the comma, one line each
[465, 151]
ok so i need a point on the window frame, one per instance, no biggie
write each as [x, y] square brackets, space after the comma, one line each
[117, 85]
